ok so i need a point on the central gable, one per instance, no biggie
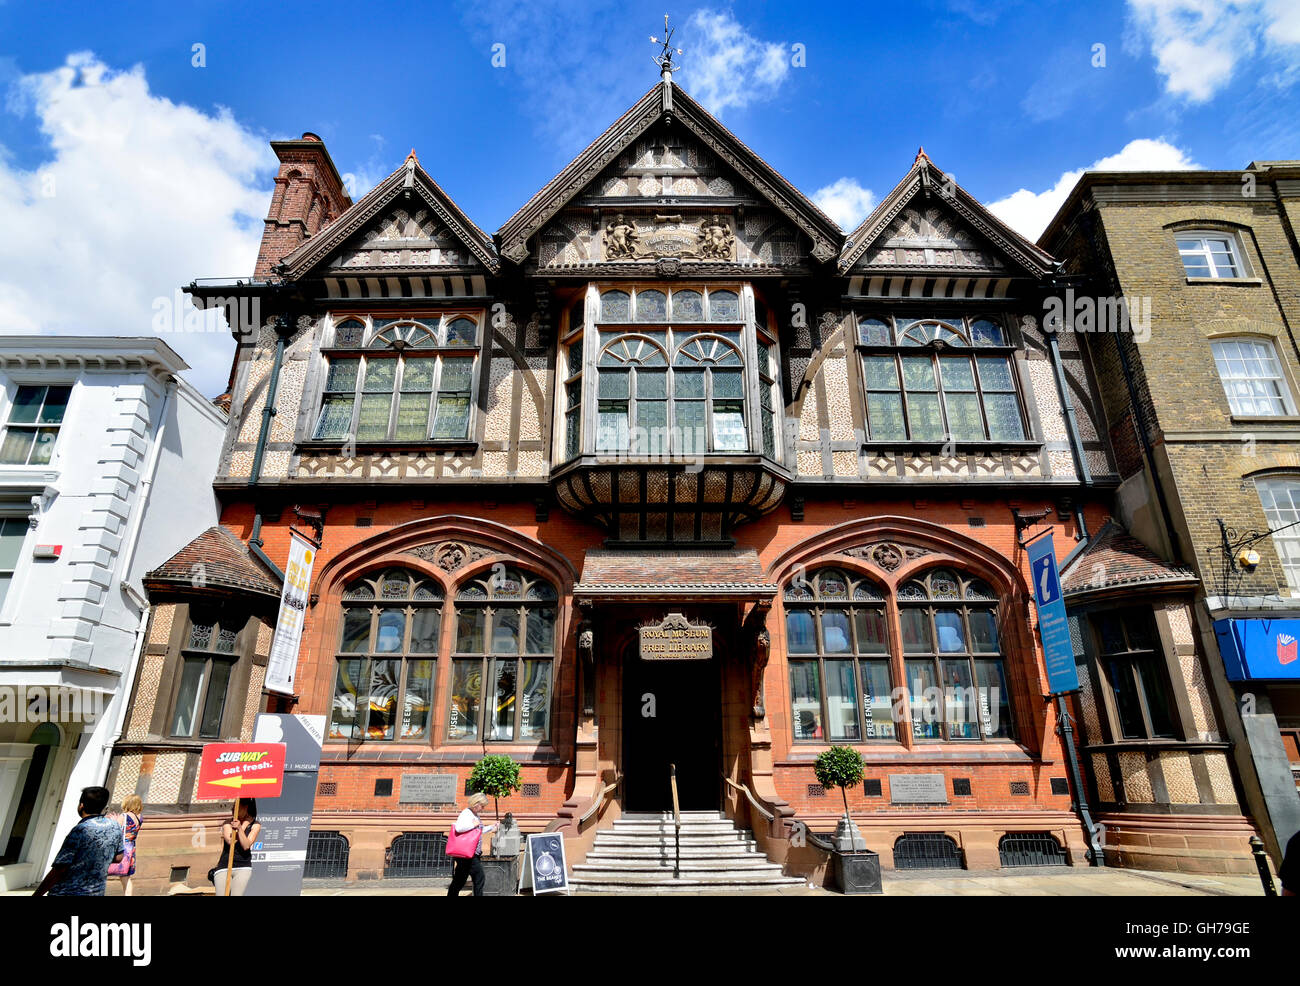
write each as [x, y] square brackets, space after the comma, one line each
[409, 234]
[669, 199]
[668, 182]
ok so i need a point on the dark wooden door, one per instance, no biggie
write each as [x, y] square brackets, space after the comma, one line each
[684, 729]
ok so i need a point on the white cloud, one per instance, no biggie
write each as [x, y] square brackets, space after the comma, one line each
[1029, 212]
[845, 201]
[725, 66]
[137, 196]
[1198, 45]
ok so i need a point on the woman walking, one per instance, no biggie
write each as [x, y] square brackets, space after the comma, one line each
[131, 820]
[470, 864]
[241, 830]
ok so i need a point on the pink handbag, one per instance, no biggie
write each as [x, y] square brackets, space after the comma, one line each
[463, 845]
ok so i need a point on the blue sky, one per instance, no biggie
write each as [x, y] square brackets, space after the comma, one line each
[127, 169]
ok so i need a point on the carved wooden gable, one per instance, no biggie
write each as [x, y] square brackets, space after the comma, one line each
[407, 235]
[668, 200]
[929, 234]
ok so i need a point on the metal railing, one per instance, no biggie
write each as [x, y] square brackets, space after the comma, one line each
[677, 822]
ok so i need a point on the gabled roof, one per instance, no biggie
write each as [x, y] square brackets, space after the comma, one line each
[925, 179]
[667, 102]
[215, 559]
[409, 179]
[1115, 559]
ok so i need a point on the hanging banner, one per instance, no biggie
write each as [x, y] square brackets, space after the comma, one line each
[282, 665]
[1058, 650]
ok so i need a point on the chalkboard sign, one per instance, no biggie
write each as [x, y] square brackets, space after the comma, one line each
[545, 869]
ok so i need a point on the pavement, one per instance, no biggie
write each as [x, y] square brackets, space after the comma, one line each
[1037, 882]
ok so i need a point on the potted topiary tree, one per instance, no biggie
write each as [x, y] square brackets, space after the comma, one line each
[857, 868]
[497, 776]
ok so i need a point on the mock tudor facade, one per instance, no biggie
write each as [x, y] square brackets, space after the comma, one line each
[668, 391]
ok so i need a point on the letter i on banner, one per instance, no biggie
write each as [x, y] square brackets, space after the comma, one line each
[282, 665]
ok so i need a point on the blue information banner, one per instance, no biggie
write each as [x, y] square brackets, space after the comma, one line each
[1058, 651]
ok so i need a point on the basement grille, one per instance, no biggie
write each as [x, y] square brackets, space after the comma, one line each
[816, 791]
[532, 791]
[926, 851]
[327, 856]
[327, 789]
[1019, 787]
[417, 854]
[1030, 849]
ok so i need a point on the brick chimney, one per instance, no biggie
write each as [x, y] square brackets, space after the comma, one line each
[308, 194]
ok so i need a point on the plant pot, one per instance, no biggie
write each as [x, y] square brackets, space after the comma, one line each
[500, 876]
[857, 872]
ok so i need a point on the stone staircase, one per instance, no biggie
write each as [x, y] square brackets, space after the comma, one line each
[636, 857]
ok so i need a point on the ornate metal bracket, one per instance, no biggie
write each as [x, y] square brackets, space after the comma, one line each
[1235, 559]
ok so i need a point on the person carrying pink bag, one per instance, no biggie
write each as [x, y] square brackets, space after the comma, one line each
[465, 845]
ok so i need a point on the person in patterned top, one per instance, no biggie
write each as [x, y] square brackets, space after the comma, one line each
[81, 867]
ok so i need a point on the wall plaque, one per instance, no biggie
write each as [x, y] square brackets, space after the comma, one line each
[428, 789]
[676, 639]
[917, 789]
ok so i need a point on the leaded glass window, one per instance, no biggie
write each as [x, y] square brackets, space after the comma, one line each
[208, 659]
[388, 649]
[404, 380]
[938, 380]
[503, 656]
[838, 653]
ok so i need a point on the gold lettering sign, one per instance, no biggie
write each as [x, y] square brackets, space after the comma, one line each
[676, 639]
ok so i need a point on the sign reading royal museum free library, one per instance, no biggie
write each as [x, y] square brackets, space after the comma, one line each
[676, 639]
[1058, 651]
[282, 665]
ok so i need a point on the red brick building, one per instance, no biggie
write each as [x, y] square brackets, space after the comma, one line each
[668, 385]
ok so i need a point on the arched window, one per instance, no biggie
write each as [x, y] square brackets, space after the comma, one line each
[939, 379]
[837, 643]
[709, 395]
[633, 394]
[412, 382]
[387, 652]
[952, 656]
[1252, 377]
[504, 651]
[840, 656]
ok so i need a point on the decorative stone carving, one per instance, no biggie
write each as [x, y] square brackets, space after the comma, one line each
[450, 555]
[668, 267]
[620, 239]
[717, 242]
[889, 555]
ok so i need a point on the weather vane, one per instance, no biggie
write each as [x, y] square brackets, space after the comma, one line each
[665, 58]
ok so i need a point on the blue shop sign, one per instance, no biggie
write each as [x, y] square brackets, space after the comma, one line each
[1259, 650]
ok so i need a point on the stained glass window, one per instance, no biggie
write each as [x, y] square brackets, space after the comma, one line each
[385, 672]
[505, 636]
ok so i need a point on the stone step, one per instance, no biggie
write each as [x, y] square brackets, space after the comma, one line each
[758, 864]
[737, 851]
[698, 841]
[687, 816]
[669, 831]
[599, 880]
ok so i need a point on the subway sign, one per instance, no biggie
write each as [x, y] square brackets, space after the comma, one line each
[240, 770]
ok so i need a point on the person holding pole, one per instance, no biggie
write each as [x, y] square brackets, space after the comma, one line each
[238, 834]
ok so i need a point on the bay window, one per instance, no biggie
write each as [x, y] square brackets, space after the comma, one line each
[672, 371]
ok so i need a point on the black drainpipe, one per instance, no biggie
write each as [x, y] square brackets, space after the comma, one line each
[282, 329]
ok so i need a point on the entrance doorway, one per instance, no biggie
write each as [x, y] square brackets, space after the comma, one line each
[672, 714]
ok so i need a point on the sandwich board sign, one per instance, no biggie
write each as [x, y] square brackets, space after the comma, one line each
[545, 870]
[280, 853]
